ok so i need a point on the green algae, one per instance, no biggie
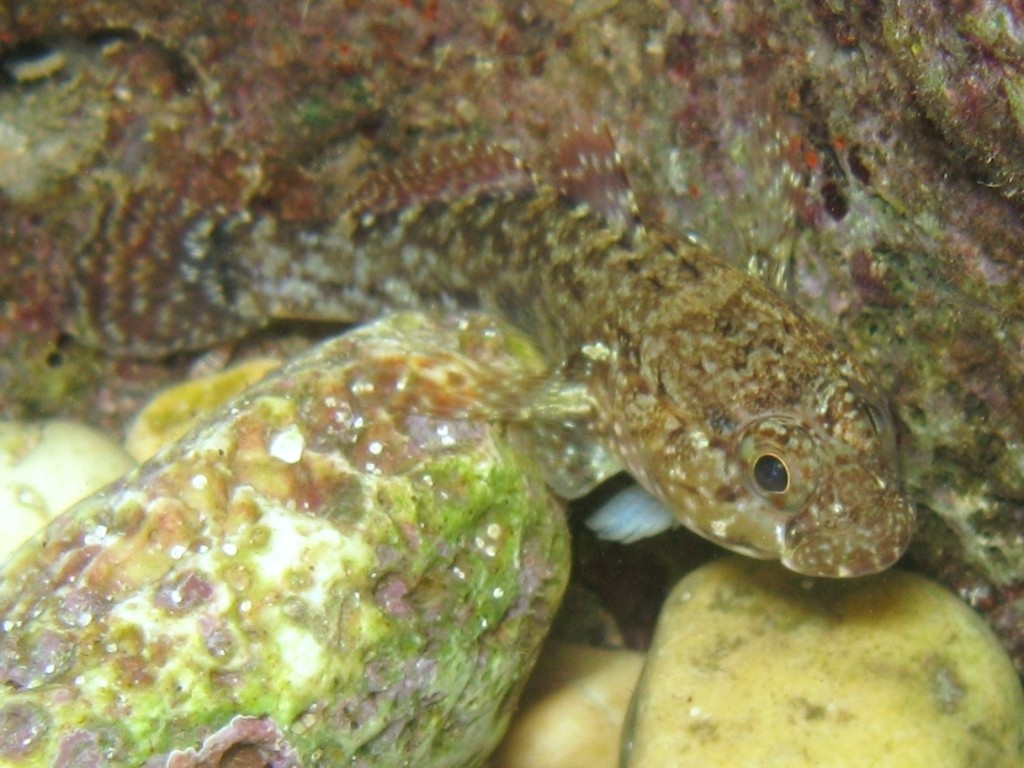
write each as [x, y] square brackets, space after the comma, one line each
[361, 615]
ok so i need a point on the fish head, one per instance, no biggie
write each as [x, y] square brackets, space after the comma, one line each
[764, 436]
[823, 487]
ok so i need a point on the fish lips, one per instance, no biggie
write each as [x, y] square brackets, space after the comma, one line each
[834, 539]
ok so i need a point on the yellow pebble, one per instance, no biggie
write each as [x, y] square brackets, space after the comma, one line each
[755, 667]
[571, 714]
[175, 410]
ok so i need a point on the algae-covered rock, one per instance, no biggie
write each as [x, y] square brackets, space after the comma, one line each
[752, 666]
[347, 565]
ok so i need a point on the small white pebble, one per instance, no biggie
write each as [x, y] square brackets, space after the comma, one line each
[29, 498]
[200, 482]
[288, 445]
[362, 388]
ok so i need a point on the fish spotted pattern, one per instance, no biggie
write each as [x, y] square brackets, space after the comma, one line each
[739, 416]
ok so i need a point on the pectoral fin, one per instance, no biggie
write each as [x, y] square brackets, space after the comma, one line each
[630, 515]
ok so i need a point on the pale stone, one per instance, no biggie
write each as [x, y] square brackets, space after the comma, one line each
[174, 411]
[572, 712]
[47, 466]
[756, 667]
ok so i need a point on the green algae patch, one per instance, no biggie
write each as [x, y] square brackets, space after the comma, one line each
[337, 568]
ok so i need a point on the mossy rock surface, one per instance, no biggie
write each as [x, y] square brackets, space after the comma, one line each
[347, 565]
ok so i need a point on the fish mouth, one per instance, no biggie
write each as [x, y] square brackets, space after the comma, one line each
[843, 543]
[815, 557]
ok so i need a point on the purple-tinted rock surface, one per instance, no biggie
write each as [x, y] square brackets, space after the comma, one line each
[865, 158]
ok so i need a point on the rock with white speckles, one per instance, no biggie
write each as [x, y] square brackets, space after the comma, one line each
[346, 565]
[752, 666]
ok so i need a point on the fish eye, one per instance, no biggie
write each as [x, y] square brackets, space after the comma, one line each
[771, 474]
[777, 461]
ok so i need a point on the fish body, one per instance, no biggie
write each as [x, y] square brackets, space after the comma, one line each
[740, 416]
[736, 412]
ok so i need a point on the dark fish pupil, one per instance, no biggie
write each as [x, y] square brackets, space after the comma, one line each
[770, 474]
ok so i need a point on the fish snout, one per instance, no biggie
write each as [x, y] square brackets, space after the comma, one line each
[839, 539]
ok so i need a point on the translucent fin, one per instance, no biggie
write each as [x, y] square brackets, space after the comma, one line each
[557, 426]
[774, 268]
[555, 400]
[589, 170]
[630, 515]
[572, 460]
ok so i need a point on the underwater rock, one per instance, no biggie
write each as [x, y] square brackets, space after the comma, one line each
[964, 61]
[751, 665]
[346, 565]
[572, 710]
[864, 157]
[47, 466]
[175, 410]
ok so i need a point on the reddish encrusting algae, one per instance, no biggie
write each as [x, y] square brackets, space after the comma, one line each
[347, 565]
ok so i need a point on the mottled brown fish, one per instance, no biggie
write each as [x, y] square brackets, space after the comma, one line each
[740, 416]
[733, 409]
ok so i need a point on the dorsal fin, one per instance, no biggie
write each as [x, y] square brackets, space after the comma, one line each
[447, 172]
[589, 170]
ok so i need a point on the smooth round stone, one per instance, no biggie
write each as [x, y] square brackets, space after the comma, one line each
[756, 667]
[572, 711]
[47, 466]
[172, 412]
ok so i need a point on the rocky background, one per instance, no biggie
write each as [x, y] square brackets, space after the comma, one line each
[864, 157]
